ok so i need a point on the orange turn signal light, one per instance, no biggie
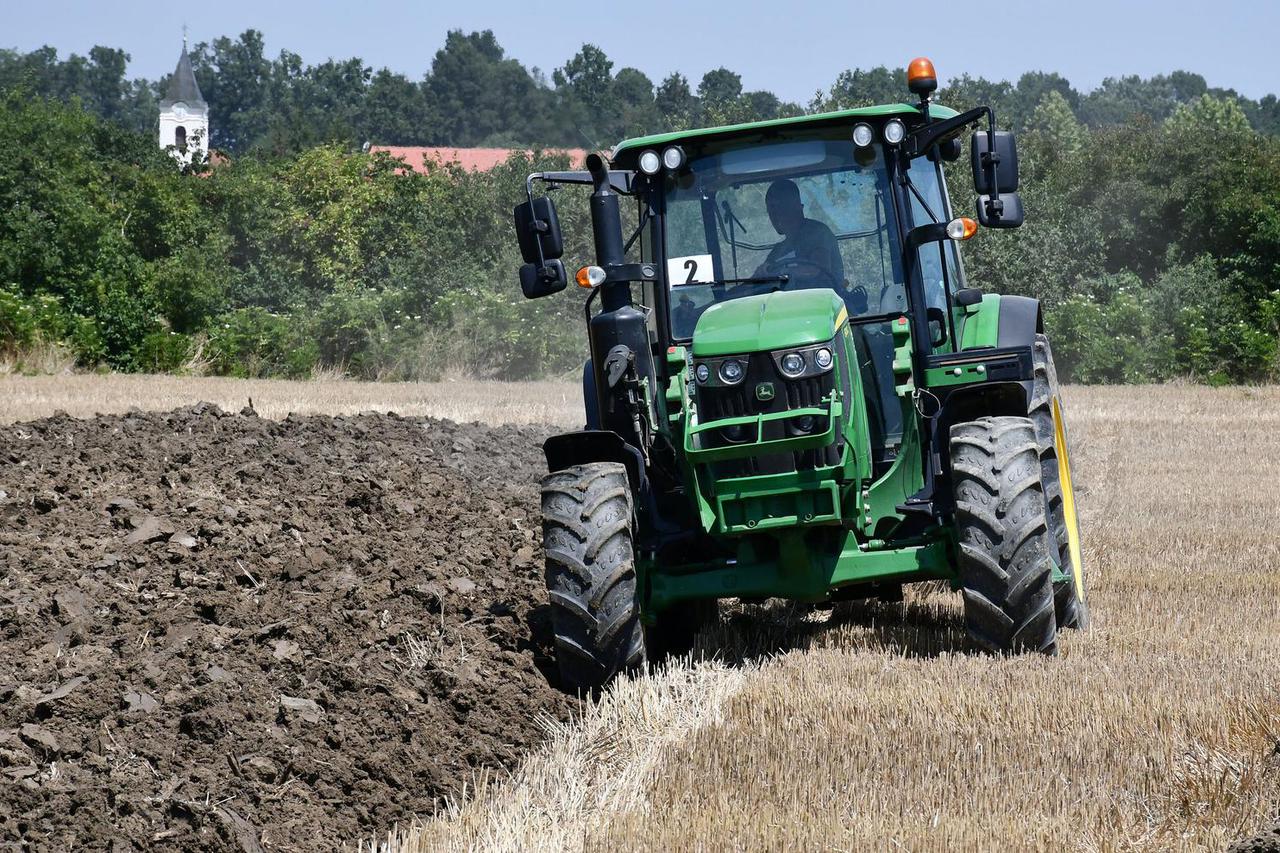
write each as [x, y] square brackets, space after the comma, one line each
[591, 276]
[961, 228]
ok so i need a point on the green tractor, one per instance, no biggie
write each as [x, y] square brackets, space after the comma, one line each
[792, 392]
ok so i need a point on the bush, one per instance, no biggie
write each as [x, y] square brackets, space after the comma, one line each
[1192, 322]
[253, 342]
[163, 352]
[26, 321]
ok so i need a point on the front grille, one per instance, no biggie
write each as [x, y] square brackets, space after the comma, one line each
[741, 399]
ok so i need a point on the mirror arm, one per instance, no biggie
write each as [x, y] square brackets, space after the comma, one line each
[923, 138]
[935, 132]
[620, 180]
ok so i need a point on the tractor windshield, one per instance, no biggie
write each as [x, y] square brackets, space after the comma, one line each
[809, 212]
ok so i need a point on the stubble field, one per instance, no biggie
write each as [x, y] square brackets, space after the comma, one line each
[866, 727]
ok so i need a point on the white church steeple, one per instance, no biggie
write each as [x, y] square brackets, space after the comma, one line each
[184, 116]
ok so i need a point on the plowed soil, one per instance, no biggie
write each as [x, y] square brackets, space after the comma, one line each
[223, 632]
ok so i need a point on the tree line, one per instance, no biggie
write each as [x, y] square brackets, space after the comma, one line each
[1152, 237]
[473, 94]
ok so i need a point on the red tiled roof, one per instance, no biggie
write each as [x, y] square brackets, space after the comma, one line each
[420, 158]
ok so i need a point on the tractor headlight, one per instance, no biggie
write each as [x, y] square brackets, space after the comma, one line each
[894, 131]
[719, 372]
[792, 364]
[673, 157]
[863, 135]
[804, 362]
[731, 371]
[650, 162]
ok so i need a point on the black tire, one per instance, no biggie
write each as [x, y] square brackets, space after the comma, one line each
[1070, 608]
[1006, 575]
[591, 575]
[676, 628]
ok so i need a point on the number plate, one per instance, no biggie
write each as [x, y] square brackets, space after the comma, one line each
[690, 269]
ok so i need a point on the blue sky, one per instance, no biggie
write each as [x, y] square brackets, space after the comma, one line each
[791, 48]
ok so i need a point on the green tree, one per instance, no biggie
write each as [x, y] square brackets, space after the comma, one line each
[476, 93]
[1030, 93]
[586, 89]
[394, 111]
[720, 87]
[857, 87]
[1218, 119]
[236, 80]
[639, 110]
[1053, 130]
[676, 103]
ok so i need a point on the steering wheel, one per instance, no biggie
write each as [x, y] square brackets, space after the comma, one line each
[802, 269]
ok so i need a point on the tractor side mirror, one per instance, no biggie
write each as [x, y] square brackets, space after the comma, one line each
[1003, 212]
[538, 281]
[538, 230]
[995, 162]
[995, 179]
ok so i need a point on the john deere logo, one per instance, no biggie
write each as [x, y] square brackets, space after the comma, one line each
[764, 391]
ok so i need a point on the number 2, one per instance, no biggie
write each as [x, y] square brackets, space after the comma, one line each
[692, 266]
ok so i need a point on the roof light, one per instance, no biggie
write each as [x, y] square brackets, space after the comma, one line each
[650, 162]
[921, 78]
[592, 276]
[863, 135]
[894, 131]
[673, 157]
[961, 228]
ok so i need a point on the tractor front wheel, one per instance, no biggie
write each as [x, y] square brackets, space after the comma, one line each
[1005, 572]
[1046, 413]
[591, 574]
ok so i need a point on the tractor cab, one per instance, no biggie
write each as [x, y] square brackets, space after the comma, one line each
[782, 345]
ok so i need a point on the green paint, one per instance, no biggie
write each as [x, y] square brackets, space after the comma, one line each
[980, 323]
[959, 374]
[627, 150]
[879, 502]
[760, 446]
[769, 321]
[807, 568]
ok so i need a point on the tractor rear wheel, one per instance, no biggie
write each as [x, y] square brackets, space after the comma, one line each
[1045, 411]
[1006, 575]
[591, 574]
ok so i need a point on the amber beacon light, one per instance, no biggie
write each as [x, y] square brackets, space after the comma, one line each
[921, 78]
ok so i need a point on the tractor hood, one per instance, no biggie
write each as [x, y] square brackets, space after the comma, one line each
[769, 321]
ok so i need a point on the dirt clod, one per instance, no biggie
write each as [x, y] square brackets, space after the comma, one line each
[221, 632]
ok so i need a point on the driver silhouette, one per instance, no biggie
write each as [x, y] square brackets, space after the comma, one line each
[808, 248]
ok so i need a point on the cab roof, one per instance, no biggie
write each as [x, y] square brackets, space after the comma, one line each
[631, 147]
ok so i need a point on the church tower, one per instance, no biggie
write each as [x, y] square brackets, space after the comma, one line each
[184, 116]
